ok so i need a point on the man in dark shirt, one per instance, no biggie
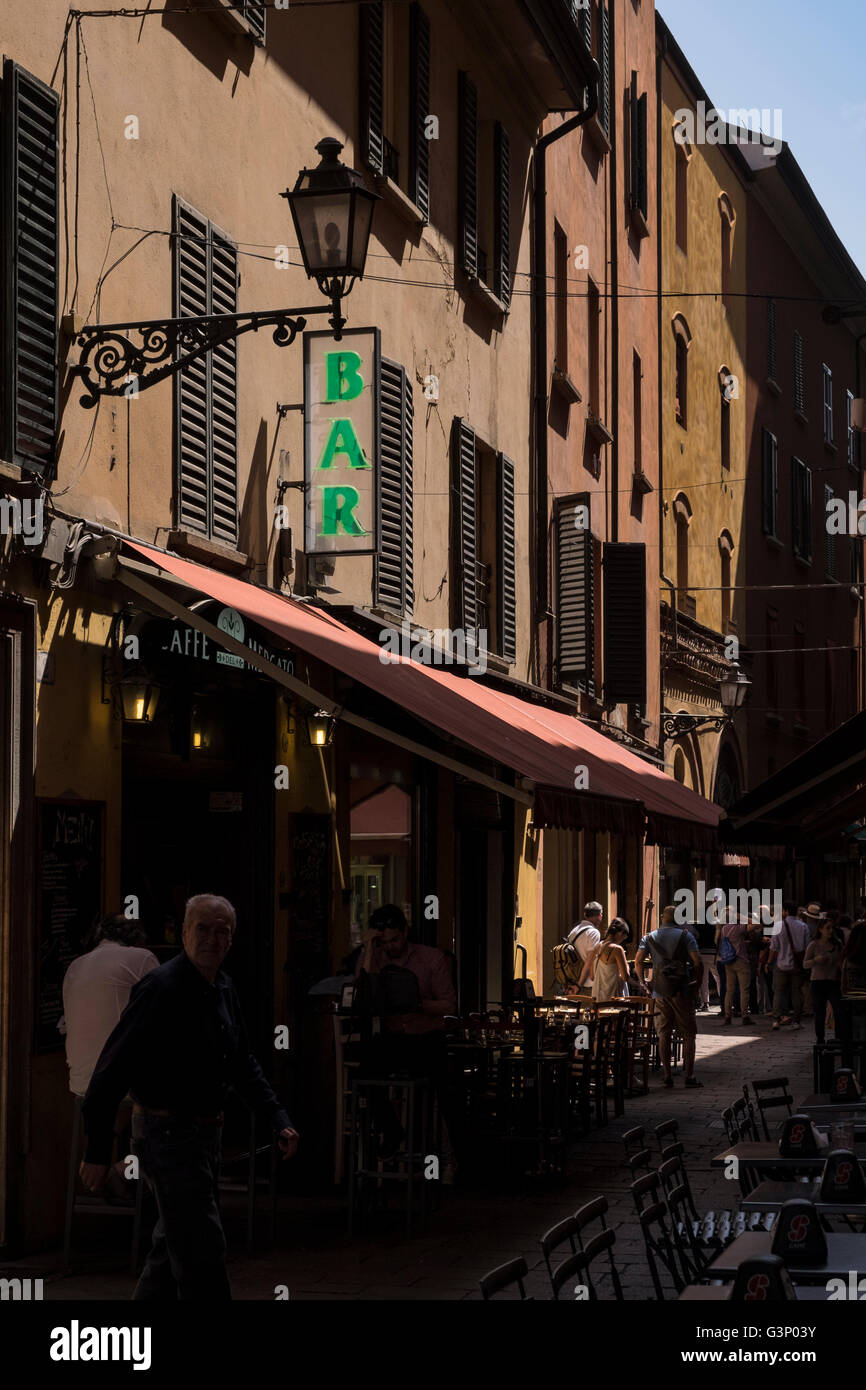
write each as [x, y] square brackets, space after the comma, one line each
[179, 1045]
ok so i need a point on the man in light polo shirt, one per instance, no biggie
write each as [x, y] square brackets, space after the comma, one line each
[587, 935]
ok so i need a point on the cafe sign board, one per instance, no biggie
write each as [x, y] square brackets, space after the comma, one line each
[341, 442]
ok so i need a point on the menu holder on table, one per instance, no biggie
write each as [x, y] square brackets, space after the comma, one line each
[842, 1179]
[763, 1279]
[798, 1236]
[800, 1138]
[845, 1087]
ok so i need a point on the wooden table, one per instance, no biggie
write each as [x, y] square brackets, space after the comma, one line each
[765, 1154]
[721, 1293]
[770, 1196]
[844, 1253]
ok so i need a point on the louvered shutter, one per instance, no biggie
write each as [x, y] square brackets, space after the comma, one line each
[29, 220]
[467, 201]
[224, 393]
[575, 605]
[393, 565]
[255, 15]
[799, 377]
[642, 154]
[465, 535]
[829, 539]
[807, 512]
[501, 214]
[205, 265]
[771, 339]
[419, 107]
[604, 78]
[372, 87]
[624, 565]
[769, 483]
[796, 525]
[506, 600]
[584, 22]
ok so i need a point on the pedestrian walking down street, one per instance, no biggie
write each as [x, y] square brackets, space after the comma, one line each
[705, 934]
[787, 949]
[677, 973]
[177, 1048]
[824, 957]
[607, 967]
[586, 935]
[734, 951]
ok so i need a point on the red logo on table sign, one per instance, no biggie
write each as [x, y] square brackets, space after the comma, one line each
[797, 1135]
[841, 1085]
[756, 1289]
[798, 1230]
[843, 1173]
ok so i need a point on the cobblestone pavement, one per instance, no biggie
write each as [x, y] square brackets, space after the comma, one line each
[475, 1230]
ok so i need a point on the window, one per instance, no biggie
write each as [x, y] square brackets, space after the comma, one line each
[829, 540]
[728, 218]
[247, 15]
[582, 10]
[799, 376]
[828, 404]
[560, 290]
[638, 149]
[603, 57]
[483, 542]
[205, 393]
[395, 96]
[726, 549]
[856, 563]
[682, 339]
[637, 377]
[725, 417]
[769, 484]
[830, 720]
[683, 516]
[576, 591]
[799, 674]
[483, 200]
[771, 660]
[771, 340]
[801, 509]
[393, 571]
[853, 451]
[29, 183]
[593, 311]
[682, 198]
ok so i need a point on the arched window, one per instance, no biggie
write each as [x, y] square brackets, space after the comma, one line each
[726, 550]
[726, 387]
[683, 516]
[682, 339]
[679, 765]
[728, 218]
[682, 156]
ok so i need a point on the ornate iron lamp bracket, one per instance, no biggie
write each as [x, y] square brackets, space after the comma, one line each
[112, 364]
[675, 724]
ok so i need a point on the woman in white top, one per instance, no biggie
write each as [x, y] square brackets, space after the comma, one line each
[607, 966]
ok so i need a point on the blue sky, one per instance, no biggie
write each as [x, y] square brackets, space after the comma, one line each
[807, 60]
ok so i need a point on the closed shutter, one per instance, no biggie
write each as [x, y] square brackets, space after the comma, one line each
[419, 107]
[205, 265]
[624, 566]
[584, 21]
[829, 540]
[575, 604]
[806, 512]
[467, 165]
[604, 79]
[506, 606]
[393, 565]
[769, 482]
[799, 377]
[464, 521]
[771, 339]
[255, 15]
[501, 215]
[372, 87]
[29, 220]
[642, 154]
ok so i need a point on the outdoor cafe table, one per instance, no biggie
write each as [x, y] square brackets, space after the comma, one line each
[770, 1196]
[765, 1154]
[824, 1113]
[720, 1293]
[844, 1253]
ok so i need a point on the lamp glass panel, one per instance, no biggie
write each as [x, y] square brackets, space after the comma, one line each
[322, 221]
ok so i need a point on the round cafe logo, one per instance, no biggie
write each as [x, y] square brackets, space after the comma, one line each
[230, 621]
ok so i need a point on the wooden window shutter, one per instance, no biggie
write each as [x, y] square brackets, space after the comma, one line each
[796, 525]
[419, 107]
[829, 539]
[799, 375]
[604, 79]
[465, 527]
[575, 607]
[29, 190]
[372, 87]
[624, 565]
[467, 166]
[584, 22]
[771, 339]
[393, 566]
[255, 14]
[769, 483]
[205, 270]
[642, 153]
[506, 606]
[501, 214]
[807, 511]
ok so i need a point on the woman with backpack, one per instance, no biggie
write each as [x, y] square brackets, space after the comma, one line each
[607, 966]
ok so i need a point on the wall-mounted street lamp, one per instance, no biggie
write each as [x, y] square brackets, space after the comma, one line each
[332, 210]
[321, 728]
[732, 692]
[127, 684]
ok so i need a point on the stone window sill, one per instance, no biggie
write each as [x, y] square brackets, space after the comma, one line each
[398, 201]
[208, 552]
[597, 133]
[638, 222]
[774, 542]
[800, 417]
[484, 296]
[564, 386]
[773, 387]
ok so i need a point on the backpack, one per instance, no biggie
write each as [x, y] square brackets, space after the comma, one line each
[727, 951]
[567, 960]
[670, 968]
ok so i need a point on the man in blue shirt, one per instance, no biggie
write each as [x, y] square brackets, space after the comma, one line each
[671, 949]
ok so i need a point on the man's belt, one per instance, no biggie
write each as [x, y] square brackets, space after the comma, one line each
[177, 1115]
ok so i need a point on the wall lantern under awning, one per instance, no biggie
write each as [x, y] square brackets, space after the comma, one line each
[127, 683]
[321, 728]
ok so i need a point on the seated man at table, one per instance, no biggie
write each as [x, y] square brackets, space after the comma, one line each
[412, 1041]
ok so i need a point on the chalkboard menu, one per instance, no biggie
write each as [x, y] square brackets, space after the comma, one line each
[68, 900]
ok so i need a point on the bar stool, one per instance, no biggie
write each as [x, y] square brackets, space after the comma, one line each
[414, 1099]
[96, 1205]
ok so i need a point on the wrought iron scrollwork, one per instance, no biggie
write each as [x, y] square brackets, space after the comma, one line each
[675, 724]
[113, 364]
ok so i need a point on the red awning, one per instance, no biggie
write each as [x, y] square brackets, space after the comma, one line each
[548, 747]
